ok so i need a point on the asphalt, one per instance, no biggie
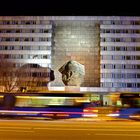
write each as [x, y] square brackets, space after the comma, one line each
[99, 119]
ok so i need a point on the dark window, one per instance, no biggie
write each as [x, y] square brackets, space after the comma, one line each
[129, 84]
[17, 31]
[113, 22]
[113, 31]
[11, 47]
[35, 66]
[45, 31]
[6, 56]
[114, 66]
[138, 66]
[8, 31]
[117, 48]
[128, 58]
[45, 56]
[118, 40]
[5, 47]
[26, 39]
[137, 48]
[32, 31]
[136, 31]
[8, 22]
[21, 56]
[137, 57]
[16, 39]
[138, 85]
[34, 74]
[21, 47]
[138, 75]
[126, 31]
[27, 22]
[107, 31]
[133, 39]
[124, 66]
[7, 39]
[117, 31]
[137, 22]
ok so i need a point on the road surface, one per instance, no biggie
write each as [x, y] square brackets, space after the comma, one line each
[69, 130]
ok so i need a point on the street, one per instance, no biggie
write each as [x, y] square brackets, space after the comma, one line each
[71, 129]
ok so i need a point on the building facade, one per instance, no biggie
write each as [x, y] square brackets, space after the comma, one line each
[27, 43]
[108, 47]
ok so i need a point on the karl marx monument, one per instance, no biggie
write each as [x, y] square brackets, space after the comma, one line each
[72, 73]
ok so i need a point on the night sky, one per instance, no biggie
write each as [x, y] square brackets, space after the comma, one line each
[69, 8]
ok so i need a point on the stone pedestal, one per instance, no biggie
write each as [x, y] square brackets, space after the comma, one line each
[73, 89]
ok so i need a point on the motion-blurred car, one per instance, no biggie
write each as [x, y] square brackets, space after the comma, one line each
[135, 116]
[90, 112]
[98, 112]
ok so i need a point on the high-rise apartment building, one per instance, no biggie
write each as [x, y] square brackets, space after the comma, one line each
[27, 41]
[108, 47]
[120, 52]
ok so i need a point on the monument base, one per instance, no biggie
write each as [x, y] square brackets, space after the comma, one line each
[72, 89]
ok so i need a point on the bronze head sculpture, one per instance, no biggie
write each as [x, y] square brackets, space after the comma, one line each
[72, 73]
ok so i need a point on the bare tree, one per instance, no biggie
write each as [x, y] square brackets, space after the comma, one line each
[8, 75]
[30, 76]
